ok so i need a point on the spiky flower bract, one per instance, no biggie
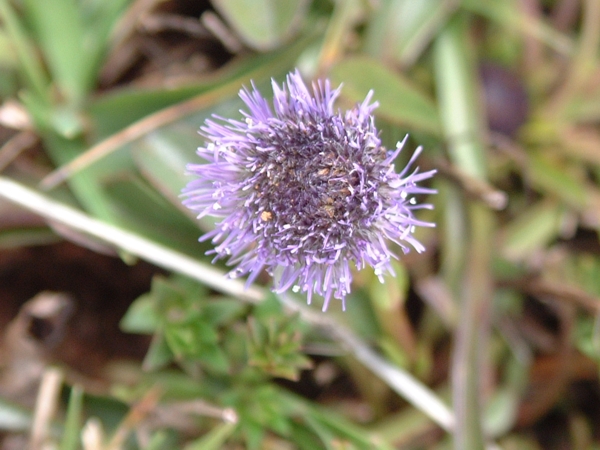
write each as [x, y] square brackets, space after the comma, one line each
[303, 191]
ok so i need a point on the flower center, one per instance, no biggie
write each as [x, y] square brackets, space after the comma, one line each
[313, 189]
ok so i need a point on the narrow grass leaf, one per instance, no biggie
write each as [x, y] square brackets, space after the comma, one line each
[32, 69]
[72, 430]
[264, 24]
[458, 98]
[60, 32]
[399, 31]
[550, 177]
[214, 439]
[400, 101]
[510, 15]
[532, 230]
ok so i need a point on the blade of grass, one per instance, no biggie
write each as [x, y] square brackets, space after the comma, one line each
[457, 96]
[471, 334]
[85, 186]
[342, 21]
[507, 14]
[32, 69]
[583, 64]
[456, 84]
[400, 101]
[214, 439]
[61, 36]
[425, 30]
[532, 230]
[158, 441]
[340, 427]
[72, 430]
[400, 30]
[135, 131]
[263, 24]
[138, 412]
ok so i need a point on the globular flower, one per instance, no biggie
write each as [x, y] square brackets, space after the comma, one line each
[304, 191]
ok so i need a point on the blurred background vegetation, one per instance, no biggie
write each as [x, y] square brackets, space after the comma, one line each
[132, 340]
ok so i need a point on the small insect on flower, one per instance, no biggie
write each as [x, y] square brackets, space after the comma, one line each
[304, 191]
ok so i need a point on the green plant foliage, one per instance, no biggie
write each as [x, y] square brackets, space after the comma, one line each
[481, 341]
[203, 334]
[360, 75]
[188, 329]
[274, 344]
[264, 24]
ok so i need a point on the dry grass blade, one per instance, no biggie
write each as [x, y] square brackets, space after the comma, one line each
[135, 131]
[570, 294]
[14, 147]
[474, 187]
[138, 413]
[45, 407]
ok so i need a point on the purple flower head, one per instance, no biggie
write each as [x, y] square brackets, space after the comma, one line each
[303, 191]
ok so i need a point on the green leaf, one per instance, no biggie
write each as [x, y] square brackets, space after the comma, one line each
[214, 439]
[181, 341]
[400, 30]
[162, 157]
[8, 55]
[60, 32]
[215, 359]
[119, 108]
[514, 18]
[137, 206]
[550, 176]
[587, 338]
[27, 236]
[67, 122]
[159, 354]
[223, 311]
[72, 430]
[191, 339]
[328, 423]
[263, 24]
[532, 230]
[275, 346]
[400, 101]
[162, 440]
[74, 36]
[86, 185]
[142, 316]
[32, 69]
[459, 102]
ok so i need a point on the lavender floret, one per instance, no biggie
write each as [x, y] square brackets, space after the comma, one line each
[302, 190]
